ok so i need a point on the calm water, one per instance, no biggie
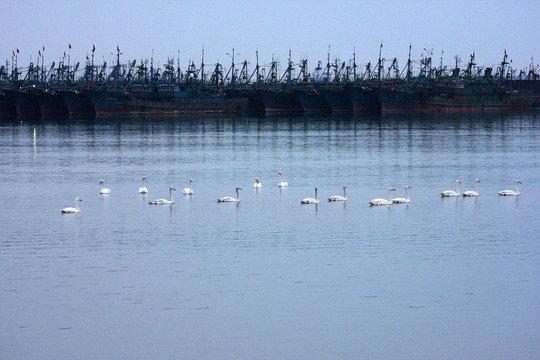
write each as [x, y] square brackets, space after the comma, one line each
[269, 278]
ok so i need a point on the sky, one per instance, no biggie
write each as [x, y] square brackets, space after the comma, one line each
[163, 29]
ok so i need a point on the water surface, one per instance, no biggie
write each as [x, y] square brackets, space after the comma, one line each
[269, 278]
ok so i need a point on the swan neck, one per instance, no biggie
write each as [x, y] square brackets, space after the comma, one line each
[344, 192]
[457, 188]
[316, 194]
[237, 194]
[407, 192]
[476, 187]
[389, 196]
[517, 189]
[77, 205]
[171, 195]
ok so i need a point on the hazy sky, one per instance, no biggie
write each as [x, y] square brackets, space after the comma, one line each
[272, 27]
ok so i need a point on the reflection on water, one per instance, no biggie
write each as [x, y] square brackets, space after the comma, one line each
[198, 279]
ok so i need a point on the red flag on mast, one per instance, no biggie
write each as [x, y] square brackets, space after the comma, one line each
[13, 53]
[17, 50]
[44, 48]
[117, 48]
[93, 47]
[381, 43]
[70, 46]
[39, 51]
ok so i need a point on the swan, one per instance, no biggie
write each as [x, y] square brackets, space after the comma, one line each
[104, 190]
[164, 201]
[452, 192]
[310, 200]
[231, 199]
[143, 189]
[189, 190]
[380, 201]
[475, 192]
[339, 197]
[282, 183]
[257, 183]
[72, 209]
[403, 200]
[511, 192]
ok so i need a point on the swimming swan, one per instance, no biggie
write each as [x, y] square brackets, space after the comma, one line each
[282, 183]
[510, 192]
[165, 201]
[339, 197]
[229, 198]
[103, 190]
[447, 193]
[143, 189]
[310, 200]
[380, 201]
[257, 183]
[189, 190]
[403, 200]
[72, 209]
[475, 192]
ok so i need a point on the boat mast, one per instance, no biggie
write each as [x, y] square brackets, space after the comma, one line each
[202, 67]
[289, 69]
[354, 65]
[152, 68]
[178, 65]
[69, 56]
[409, 65]
[379, 65]
[233, 70]
[328, 68]
[92, 76]
[503, 64]
[257, 69]
[117, 66]
[43, 67]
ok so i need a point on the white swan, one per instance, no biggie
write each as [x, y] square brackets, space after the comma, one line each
[72, 209]
[511, 192]
[189, 190]
[143, 189]
[403, 200]
[475, 192]
[165, 201]
[229, 198]
[380, 201]
[339, 197]
[310, 200]
[282, 183]
[447, 193]
[103, 190]
[257, 183]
